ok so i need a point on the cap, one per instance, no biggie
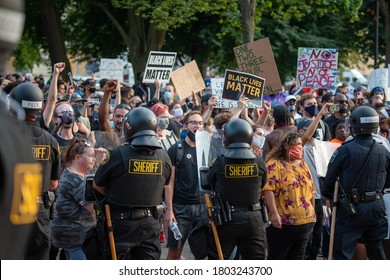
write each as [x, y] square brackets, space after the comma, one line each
[159, 109]
[102, 82]
[304, 122]
[76, 97]
[152, 102]
[88, 82]
[205, 98]
[289, 97]
[377, 89]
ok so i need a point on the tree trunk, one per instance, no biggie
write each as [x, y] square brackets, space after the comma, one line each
[385, 13]
[54, 34]
[248, 10]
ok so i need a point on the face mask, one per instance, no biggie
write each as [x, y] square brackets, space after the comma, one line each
[258, 141]
[191, 135]
[295, 152]
[138, 104]
[178, 112]
[312, 110]
[162, 123]
[78, 108]
[92, 90]
[291, 107]
[167, 94]
[112, 124]
[67, 118]
[190, 105]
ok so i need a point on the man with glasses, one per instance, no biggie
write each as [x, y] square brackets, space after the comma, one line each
[343, 111]
[186, 206]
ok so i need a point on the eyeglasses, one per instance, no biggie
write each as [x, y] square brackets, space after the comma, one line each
[196, 123]
[342, 102]
[123, 106]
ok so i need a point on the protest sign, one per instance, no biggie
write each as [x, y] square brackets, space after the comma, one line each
[379, 78]
[92, 68]
[111, 69]
[168, 140]
[217, 89]
[317, 68]
[236, 83]
[159, 67]
[187, 79]
[257, 58]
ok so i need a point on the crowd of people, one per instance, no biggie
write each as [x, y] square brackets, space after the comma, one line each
[268, 173]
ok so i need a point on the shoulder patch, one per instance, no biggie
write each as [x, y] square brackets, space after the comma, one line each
[334, 156]
[213, 162]
[106, 158]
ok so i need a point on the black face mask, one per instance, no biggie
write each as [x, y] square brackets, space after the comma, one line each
[92, 90]
[191, 135]
[138, 104]
[312, 110]
[67, 118]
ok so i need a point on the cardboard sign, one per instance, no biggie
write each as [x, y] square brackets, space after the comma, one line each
[92, 68]
[236, 83]
[187, 79]
[258, 59]
[111, 69]
[159, 67]
[317, 68]
[217, 89]
[379, 78]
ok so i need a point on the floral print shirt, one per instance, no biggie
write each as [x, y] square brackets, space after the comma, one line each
[294, 189]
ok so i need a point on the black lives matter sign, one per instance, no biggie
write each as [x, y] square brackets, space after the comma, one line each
[159, 67]
[237, 83]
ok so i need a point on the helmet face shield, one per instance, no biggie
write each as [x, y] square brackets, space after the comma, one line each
[347, 124]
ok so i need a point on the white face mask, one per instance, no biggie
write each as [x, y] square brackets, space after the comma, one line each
[178, 112]
[258, 141]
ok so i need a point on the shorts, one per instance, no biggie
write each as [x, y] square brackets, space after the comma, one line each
[193, 224]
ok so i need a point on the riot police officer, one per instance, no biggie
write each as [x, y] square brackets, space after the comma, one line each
[45, 150]
[133, 177]
[237, 177]
[361, 166]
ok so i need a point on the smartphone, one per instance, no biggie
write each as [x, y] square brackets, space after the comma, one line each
[95, 101]
[90, 193]
[71, 82]
[334, 108]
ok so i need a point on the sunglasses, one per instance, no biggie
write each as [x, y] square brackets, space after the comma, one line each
[342, 102]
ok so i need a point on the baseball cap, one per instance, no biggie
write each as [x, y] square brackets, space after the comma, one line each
[88, 82]
[205, 98]
[76, 97]
[159, 109]
[304, 122]
[290, 97]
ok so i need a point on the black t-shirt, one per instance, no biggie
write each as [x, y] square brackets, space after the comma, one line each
[331, 121]
[186, 190]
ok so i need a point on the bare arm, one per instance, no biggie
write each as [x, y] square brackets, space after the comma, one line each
[53, 184]
[274, 215]
[212, 103]
[118, 93]
[168, 190]
[104, 124]
[52, 96]
[157, 83]
[263, 118]
[311, 129]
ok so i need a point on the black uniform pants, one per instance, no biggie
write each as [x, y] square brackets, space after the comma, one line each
[135, 239]
[314, 244]
[40, 239]
[368, 225]
[246, 231]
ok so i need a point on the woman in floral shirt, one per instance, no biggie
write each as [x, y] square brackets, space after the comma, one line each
[289, 194]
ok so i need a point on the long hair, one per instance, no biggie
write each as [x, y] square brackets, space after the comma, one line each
[279, 152]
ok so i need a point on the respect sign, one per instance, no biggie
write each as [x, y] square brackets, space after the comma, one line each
[317, 68]
[159, 67]
[237, 83]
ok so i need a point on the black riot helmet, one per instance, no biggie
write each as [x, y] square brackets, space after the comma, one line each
[30, 97]
[143, 126]
[237, 138]
[364, 120]
[237, 131]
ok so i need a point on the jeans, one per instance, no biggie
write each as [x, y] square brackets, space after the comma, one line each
[74, 254]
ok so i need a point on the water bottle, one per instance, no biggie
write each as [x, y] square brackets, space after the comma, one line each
[176, 231]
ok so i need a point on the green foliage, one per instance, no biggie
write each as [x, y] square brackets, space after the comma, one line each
[26, 55]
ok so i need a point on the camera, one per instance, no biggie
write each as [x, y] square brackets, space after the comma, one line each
[334, 108]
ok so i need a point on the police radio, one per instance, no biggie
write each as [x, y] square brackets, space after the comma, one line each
[90, 193]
